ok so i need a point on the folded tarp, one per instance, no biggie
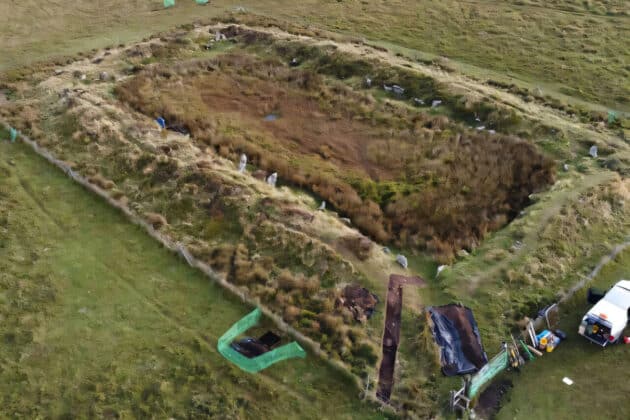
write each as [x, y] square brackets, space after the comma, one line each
[455, 332]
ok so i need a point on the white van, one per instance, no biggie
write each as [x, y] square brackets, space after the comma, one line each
[605, 322]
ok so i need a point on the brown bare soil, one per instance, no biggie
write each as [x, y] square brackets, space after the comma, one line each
[391, 333]
[490, 400]
[402, 176]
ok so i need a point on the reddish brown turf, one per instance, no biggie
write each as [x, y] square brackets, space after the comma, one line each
[301, 126]
[452, 186]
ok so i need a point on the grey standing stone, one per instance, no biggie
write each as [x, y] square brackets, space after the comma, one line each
[242, 165]
[402, 260]
[272, 179]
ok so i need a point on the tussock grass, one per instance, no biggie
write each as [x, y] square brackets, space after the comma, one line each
[99, 321]
[558, 253]
[258, 243]
[451, 186]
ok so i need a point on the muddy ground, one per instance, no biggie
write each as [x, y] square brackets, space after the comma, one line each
[490, 400]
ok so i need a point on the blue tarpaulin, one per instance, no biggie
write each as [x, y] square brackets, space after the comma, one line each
[161, 122]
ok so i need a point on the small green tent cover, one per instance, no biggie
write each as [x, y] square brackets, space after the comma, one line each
[13, 133]
[169, 3]
[612, 117]
[202, 1]
[263, 361]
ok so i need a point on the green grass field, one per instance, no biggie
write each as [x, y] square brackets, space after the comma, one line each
[98, 320]
[580, 48]
[600, 386]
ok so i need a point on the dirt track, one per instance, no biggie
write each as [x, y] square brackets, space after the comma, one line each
[391, 334]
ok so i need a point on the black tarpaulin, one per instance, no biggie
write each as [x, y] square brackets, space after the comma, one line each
[455, 332]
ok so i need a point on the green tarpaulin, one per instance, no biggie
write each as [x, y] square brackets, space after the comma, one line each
[13, 133]
[487, 373]
[261, 362]
[612, 117]
[169, 3]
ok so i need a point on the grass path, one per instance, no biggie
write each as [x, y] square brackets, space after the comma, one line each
[477, 89]
[541, 215]
[98, 320]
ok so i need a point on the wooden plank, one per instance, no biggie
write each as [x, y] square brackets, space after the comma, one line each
[534, 350]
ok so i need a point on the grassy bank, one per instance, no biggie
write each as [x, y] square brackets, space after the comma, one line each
[98, 320]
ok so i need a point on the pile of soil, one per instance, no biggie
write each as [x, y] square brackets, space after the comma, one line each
[360, 301]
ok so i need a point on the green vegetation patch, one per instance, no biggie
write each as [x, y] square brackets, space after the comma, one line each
[594, 371]
[98, 320]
